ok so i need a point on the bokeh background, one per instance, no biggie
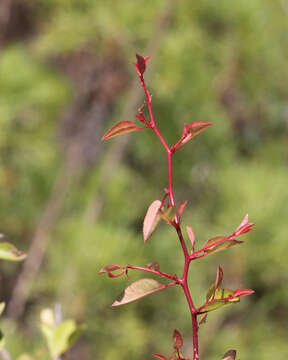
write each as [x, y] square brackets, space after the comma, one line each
[76, 204]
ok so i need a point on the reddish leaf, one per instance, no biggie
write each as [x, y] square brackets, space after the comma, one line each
[191, 237]
[159, 356]
[193, 129]
[141, 64]
[243, 222]
[153, 265]
[178, 340]
[141, 117]
[137, 290]
[151, 219]
[108, 268]
[229, 355]
[122, 127]
[181, 207]
[243, 292]
[219, 277]
[244, 227]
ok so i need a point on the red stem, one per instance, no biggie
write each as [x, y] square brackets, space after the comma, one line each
[155, 272]
[183, 281]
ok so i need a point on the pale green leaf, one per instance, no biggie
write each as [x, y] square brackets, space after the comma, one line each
[61, 337]
[222, 246]
[2, 307]
[10, 252]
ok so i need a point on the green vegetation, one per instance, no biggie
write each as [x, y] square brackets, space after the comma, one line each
[219, 62]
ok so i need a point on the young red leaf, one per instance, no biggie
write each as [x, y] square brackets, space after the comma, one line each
[153, 265]
[141, 64]
[122, 127]
[109, 269]
[219, 277]
[137, 290]
[243, 292]
[193, 129]
[191, 237]
[141, 117]
[229, 355]
[151, 219]
[159, 356]
[181, 207]
[244, 227]
[243, 222]
[178, 340]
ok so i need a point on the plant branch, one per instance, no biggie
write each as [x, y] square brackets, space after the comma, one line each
[155, 272]
[183, 281]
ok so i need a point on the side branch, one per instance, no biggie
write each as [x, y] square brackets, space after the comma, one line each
[155, 272]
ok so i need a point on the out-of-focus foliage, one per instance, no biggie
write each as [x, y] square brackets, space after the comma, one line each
[219, 61]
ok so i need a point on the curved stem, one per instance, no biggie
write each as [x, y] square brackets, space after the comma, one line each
[183, 281]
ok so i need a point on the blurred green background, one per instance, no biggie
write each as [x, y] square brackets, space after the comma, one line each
[66, 75]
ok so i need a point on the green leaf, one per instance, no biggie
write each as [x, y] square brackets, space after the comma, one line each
[122, 127]
[221, 298]
[222, 246]
[218, 282]
[169, 214]
[59, 338]
[10, 252]
[151, 220]
[178, 340]
[224, 294]
[137, 290]
[213, 305]
[210, 292]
